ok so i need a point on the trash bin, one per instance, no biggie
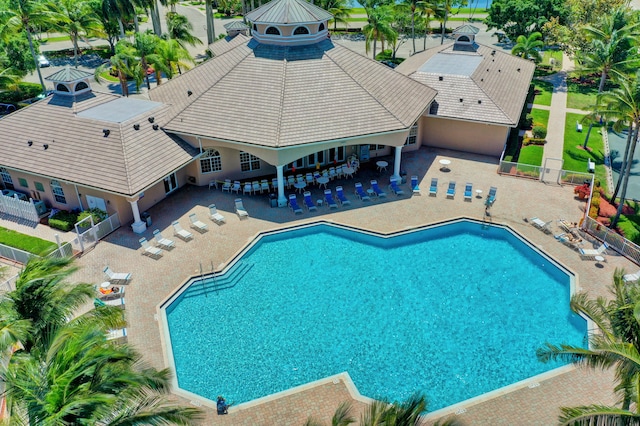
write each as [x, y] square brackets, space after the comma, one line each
[146, 217]
[273, 200]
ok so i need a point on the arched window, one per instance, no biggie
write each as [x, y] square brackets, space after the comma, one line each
[321, 27]
[300, 30]
[272, 31]
[82, 85]
[464, 39]
[210, 161]
[62, 88]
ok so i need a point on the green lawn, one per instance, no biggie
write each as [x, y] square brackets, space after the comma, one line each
[575, 158]
[581, 96]
[54, 39]
[544, 89]
[540, 117]
[531, 154]
[556, 55]
[24, 242]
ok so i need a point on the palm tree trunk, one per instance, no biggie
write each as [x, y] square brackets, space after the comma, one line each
[136, 24]
[413, 28]
[35, 58]
[74, 39]
[375, 41]
[627, 173]
[444, 25]
[211, 33]
[121, 26]
[123, 83]
[155, 18]
[624, 163]
[603, 79]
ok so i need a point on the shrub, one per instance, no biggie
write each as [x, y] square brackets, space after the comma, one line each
[582, 190]
[533, 141]
[63, 220]
[527, 121]
[23, 91]
[539, 132]
[98, 215]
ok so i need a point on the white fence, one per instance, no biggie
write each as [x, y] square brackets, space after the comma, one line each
[9, 285]
[12, 206]
[15, 254]
[89, 237]
[613, 239]
[529, 171]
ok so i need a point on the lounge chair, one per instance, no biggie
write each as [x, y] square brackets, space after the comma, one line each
[255, 186]
[360, 192]
[293, 204]
[264, 185]
[120, 334]
[468, 192]
[393, 185]
[236, 187]
[541, 224]
[592, 253]
[376, 189]
[328, 198]
[631, 277]
[451, 190]
[214, 215]
[491, 197]
[180, 232]
[569, 240]
[240, 210]
[149, 250]
[162, 241]
[308, 201]
[433, 188]
[226, 186]
[115, 277]
[197, 224]
[341, 197]
[414, 185]
[246, 189]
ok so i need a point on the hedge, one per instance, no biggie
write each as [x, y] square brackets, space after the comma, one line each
[63, 220]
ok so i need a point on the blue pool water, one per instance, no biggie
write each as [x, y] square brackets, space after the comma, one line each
[452, 311]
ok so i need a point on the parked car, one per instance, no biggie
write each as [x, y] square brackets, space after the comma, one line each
[43, 61]
[7, 108]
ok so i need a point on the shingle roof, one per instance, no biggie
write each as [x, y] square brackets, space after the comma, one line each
[68, 74]
[235, 25]
[126, 161]
[492, 84]
[281, 96]
[288, 12]
[218, 47]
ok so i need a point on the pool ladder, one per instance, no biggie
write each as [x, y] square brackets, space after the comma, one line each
[217, 282]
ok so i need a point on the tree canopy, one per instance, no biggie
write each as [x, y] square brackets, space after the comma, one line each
[517, 17]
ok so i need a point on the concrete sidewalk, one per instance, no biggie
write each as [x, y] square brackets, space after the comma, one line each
[554, 147]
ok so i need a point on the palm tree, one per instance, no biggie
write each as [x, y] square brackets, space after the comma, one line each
[169, 58]
[378, 28]
[425, 11]
[211, 31]
[125, 63]
[444, 9]
[414, 7]
[77, 20]
[616, 344]
[529, 47]
[609, 52]
[24, 15]
[119, 10]
[145, 44]
[8, 79]
[179, 28]
[340, 11]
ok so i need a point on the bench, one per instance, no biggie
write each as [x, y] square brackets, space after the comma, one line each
[578, 127]
[591, 166]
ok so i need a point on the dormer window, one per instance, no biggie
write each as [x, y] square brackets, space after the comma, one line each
[300, 30]
[464, 39]
[272, 31]
[321, 27]
[81, 86]
[62, 88]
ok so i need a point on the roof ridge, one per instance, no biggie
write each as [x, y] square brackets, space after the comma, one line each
[360, 85]
[283, 82]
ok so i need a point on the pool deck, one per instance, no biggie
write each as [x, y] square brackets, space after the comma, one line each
[517, 199]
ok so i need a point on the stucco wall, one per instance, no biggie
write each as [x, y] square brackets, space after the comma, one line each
[465, 136]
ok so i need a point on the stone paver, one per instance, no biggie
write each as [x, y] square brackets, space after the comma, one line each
[517, 199]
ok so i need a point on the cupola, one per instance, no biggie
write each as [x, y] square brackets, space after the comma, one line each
[465, 34]
[70, 81]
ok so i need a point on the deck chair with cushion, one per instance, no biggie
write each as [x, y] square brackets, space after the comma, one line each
[414, 185]
[541, 224]
[308, 201]
[162, 241]
[491, 197]
[592, 253]
[148, 249]
[433, 188]
[116, 277]
[293, 204]
[264, 185]
[226, 186]
[569, 240]
[246, 189]
[376, 189]
[393, 185]
[360, 192]
[451, 190]
[240, 210]
[468, 191]
[631, 277]
[236, 187]
[341, 197]
[214, 215]
[197, 224]
[328, 198]
[178, 231]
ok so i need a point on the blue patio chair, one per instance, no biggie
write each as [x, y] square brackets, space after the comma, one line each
[433, 188]
[393, 185]
[341, 197]
[468, 191]
[293, 204]
[360, 192]
[414, 185]
[376, 189]
[328, 198]
[491, 197]
[309, 202]
[451, 191]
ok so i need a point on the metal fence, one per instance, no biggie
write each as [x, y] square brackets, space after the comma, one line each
[9, 285]
[15, 254]
[613, 239]
[529, 171]
[89, 237]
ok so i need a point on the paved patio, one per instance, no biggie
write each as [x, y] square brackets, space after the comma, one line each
[517, 199]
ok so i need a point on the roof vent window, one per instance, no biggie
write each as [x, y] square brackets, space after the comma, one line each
[29, 143]
[155, 127]
[45, 146]
[479, 101]
[461, 99]
[136, 126]
[189, 93]
[151, 119]
[106, 132]
[441, 78]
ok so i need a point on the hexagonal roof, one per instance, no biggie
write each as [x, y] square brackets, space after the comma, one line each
[288, 12]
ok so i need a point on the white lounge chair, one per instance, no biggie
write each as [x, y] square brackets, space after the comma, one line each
[592, 253]
[116, 276]
[197, 224]
[162, 241]
[240, 210]
[226, 186]
[541, 224]
[149, 250]
[236, 187]
[631, 277]
[119, 334]
[180, 232]
[215, 216]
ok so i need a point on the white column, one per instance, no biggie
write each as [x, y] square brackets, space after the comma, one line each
[396, 163]
[138, 225]
[282, 200]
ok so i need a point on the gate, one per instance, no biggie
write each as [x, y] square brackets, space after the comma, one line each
[552, 170]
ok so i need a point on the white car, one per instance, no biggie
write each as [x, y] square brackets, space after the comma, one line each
[43, 61]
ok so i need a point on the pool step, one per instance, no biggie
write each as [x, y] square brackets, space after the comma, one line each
[215, 282]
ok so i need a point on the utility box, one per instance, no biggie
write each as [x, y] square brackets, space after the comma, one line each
[146, 217]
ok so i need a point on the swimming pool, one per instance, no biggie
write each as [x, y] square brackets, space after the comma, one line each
[453, 311]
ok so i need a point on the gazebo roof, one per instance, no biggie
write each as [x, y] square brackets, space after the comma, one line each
[288, 12]
[235, 25]
[466, 29]
[68, 75]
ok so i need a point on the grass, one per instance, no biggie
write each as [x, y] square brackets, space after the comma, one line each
[544, 89]
[54, 39]
[580, 96]
[25, 242]
[531, 154]
[556, 55]
[108, 77]
[540, 117]
[575, 158]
